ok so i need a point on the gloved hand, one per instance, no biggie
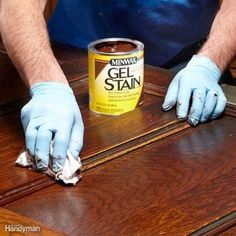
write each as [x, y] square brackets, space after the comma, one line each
[197, 86]
[52, 113]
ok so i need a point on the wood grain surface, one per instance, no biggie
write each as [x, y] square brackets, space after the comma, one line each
[171, 187]
[101, 134]
[230, 232]
[15, 224]
[126, 132]
[165, 178]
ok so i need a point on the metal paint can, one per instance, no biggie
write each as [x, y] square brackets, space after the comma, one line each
[116, 75]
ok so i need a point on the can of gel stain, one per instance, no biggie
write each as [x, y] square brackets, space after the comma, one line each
[116, 68]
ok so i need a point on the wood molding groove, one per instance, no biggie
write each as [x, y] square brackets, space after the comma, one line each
[98, 159]
[217, 227]
[154, 89]
[134, 144]
[230, 110]
[21, 191]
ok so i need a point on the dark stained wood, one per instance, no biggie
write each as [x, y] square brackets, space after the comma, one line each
[156, 84]
[169, 179]
[106, 137]
[230, 110]
[171, 187]
[225, 225]
[100, 135]
[233, 68]
[10, 219]
[230, 232]
[11, 86]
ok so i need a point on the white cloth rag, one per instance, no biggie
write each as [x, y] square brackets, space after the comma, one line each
[69, 175]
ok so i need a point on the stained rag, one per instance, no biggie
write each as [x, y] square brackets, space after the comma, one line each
[69, 175]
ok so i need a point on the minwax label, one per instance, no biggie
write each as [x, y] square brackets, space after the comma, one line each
[115, 82]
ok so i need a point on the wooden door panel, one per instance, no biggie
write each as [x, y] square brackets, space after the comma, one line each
[168, 178]
[106, 137]
[171, 187]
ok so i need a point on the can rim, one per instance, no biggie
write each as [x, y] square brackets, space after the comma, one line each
[91, 46]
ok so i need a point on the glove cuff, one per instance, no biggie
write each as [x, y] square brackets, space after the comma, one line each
[207, 63]
[43, 87]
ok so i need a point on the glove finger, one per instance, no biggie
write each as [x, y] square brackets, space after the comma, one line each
[220, 106]
[183, 100]
[76, 141]
[42, 148]
[61, 143]
[30, 138]
[198, 99]
[31, 133]
[209, 106]
[171, 95]
[24, 116]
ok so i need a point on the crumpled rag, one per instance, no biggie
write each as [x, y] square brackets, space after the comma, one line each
[69, 175]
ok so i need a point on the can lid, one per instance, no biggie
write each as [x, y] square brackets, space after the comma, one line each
[115, 46]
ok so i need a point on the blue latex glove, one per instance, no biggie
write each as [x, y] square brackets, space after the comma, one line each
[52, 113]
[197, 81]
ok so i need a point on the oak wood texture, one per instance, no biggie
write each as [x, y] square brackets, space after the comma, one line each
[171, 187]
[162, 176]
[230, 232]
[9, 220]
[222, 226]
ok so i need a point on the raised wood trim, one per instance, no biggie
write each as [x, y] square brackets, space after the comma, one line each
[217, 227]
[136, 143]
[20, 191]
[230, 110]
